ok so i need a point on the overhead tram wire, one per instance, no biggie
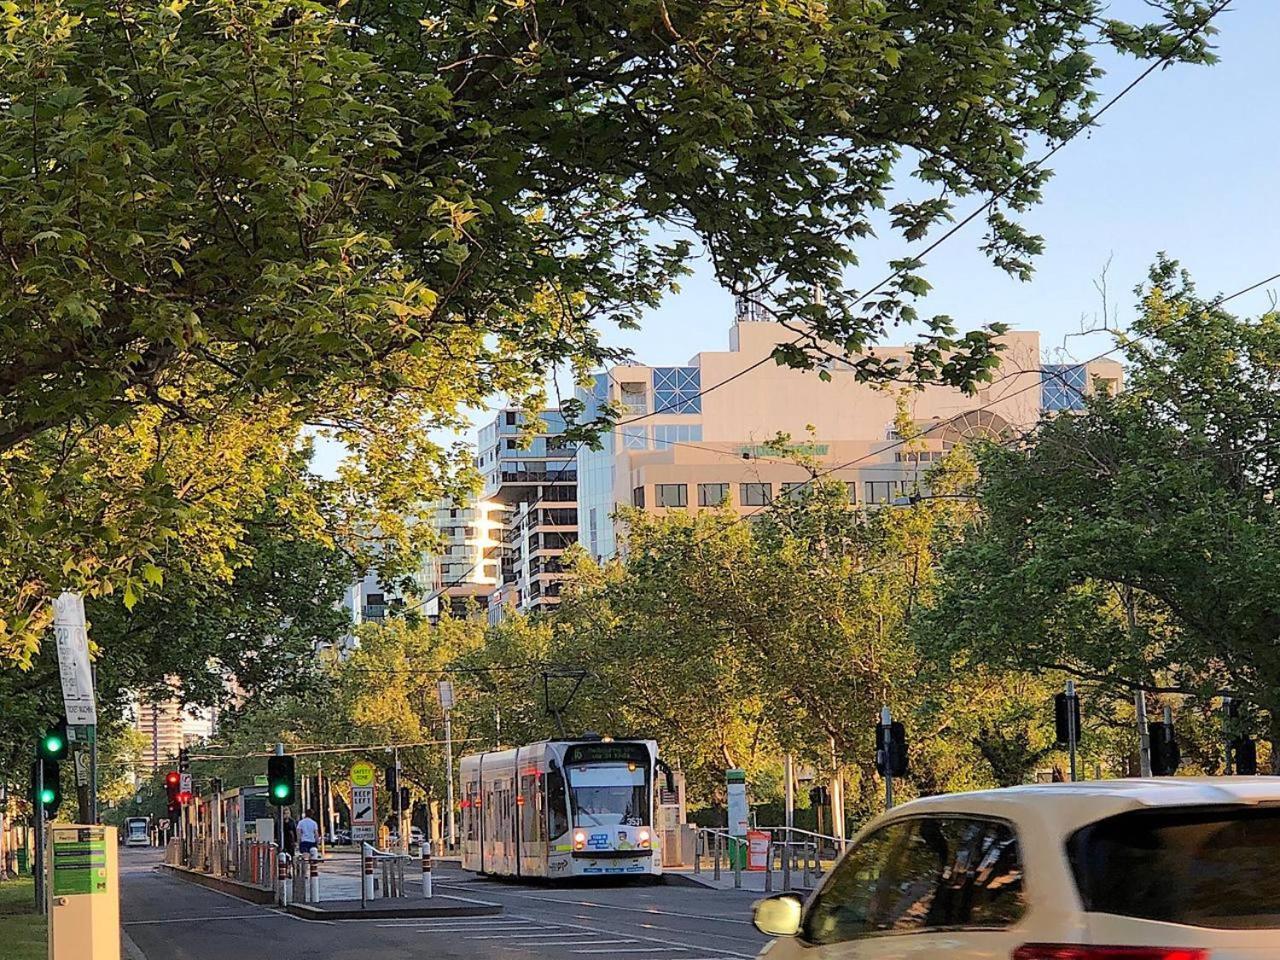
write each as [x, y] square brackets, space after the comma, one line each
[1083, 125]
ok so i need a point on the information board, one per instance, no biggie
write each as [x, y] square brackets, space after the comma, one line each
[79, 861]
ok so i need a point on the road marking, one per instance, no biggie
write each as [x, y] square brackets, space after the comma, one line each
[648, 910]
[239, 916]
[635, 950]
[670, 943]
[508, 932]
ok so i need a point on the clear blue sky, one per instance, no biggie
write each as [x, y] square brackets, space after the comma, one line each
[1186, 163]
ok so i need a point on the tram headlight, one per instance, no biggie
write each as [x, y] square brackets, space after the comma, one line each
[644, 838]
[579, 840]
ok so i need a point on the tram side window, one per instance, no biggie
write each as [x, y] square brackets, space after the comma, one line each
[530, 821]
[472, 818]
[557, 804]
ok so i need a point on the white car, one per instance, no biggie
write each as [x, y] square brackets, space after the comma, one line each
[1160, 869]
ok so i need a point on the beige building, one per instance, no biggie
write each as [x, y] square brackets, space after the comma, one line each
[167, 728]
[697, 447]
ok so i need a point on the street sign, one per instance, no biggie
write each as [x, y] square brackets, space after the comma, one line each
[81, 758]
[259, 779]
[73, 659]
[445, 689]
[184, 784]
[362, 774]
[363, 821]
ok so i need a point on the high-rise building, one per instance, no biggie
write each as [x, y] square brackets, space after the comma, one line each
[166, 728]
[534, 477]
[685, 443]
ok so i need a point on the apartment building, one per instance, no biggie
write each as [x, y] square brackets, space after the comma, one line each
[167, 728]
[680, 445]
[533, 476]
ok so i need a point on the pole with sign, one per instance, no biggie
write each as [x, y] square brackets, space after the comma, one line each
[76, 673]
[363, 798]
[445, 689]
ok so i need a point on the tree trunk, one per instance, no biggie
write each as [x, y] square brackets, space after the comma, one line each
[1273, 737]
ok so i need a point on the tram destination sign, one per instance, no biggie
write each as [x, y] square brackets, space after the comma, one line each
[606, 753]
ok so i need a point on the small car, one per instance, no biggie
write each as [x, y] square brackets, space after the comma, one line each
[1151, 869]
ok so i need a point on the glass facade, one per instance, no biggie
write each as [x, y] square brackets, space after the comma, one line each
[676, 389]
[666, 434]
[1062, 387]
[595, 476]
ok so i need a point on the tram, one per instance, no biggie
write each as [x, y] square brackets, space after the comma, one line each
[137, 832]
[563, 808]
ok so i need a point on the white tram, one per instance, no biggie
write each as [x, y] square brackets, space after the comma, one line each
[137, 832]
[563, 808]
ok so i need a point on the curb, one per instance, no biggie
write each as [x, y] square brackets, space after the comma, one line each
[222, 884]
[352, 909]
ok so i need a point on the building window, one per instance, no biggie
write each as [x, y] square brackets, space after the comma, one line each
[851, 490]
[677, 390]
[712, 494]
[637, 497]
[795, 490]
[755, 494]
[881, 491]
[1062, 387]
[511, 418]
[671, 494]
[635, 438]
[667, 434]
[633, 397]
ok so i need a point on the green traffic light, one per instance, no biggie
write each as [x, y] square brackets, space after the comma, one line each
[53, 744]
[47, 796]
[281, 790]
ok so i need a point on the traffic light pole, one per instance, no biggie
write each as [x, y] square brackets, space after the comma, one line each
[886, 720]
[1073, 735]
[280, 812]
[37, 855]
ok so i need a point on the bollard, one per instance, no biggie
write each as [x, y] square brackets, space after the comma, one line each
[737, 864]
[366, 888]
[697, 853]
[716, 862]
[313, 893]
[282, 877]
[786, 865]
[768, 867]
[426, 870]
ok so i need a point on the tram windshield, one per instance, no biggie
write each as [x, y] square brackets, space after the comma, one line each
[609, 795]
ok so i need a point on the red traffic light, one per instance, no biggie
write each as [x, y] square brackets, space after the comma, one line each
[172, 778]
[184, 798]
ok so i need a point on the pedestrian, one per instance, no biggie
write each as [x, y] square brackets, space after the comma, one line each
[290, 838]
[308, 834]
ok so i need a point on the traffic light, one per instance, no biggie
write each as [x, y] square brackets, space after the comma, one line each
[404, 798]
[393, 781]
[172, 785]
[1165, 753]
[280, 780]
[1066, 716]
[891, 749]
[53, 742]
[184, 760]
[49, 792]
[1246, 752]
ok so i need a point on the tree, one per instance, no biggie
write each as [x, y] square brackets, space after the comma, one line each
[1138, 543]
[362, 220]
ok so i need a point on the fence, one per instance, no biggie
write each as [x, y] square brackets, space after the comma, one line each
[382, 873]
[791, 852]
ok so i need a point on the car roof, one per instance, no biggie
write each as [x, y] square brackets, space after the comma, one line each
[1067, 806]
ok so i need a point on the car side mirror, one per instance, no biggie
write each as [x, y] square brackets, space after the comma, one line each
[777, 916]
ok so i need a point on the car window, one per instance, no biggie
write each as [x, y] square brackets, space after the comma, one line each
[1208, 868]
[844, 907]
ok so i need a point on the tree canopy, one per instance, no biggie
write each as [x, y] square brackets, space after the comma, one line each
[222, 223]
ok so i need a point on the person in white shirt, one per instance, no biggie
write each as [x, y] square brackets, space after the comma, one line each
[308, 834]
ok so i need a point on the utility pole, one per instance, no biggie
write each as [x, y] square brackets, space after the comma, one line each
[279, 811]
[1073, 735]
[789, 791]
[1144, 733]
[400, 830]
[445, 689]
[37, 855]
[1227, 713]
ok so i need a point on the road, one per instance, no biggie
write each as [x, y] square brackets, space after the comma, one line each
[169, 919]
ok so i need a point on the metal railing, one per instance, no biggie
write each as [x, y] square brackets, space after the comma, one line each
[382, 873]
[791, 851]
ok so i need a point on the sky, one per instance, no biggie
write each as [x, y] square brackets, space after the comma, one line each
[1187, 163]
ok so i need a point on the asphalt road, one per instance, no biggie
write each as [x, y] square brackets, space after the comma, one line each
[169, 919]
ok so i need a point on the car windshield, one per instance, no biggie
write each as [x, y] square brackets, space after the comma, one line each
[1207, 868]
[614, 794]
